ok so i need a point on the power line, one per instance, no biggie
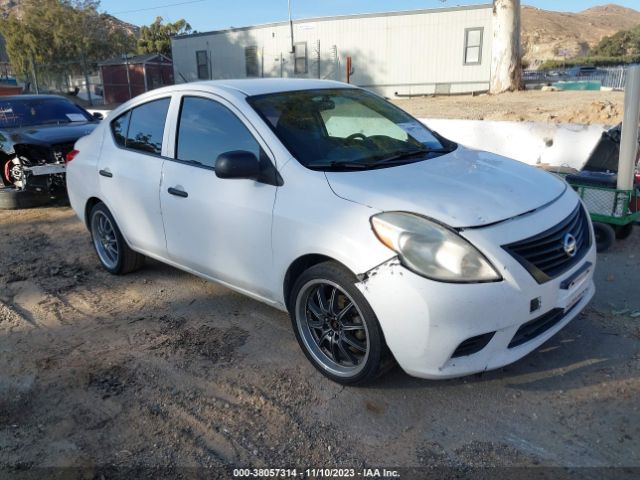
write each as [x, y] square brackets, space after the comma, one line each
[159, 6]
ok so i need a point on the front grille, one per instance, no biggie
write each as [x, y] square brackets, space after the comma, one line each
[473, 345]
[544, 255]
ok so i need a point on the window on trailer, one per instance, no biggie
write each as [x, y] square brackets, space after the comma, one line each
[202, 60]
[473, 46]
[252, 61]
[300, 54]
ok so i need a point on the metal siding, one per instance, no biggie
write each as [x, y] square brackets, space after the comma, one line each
[404, 53]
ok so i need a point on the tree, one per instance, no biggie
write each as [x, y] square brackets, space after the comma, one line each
[626, 42]
[61, 35]
[506, 58]
[156, 38]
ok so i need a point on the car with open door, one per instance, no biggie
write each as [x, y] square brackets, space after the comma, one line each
[383, 240]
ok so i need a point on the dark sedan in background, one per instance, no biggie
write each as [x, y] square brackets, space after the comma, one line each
[37, 132]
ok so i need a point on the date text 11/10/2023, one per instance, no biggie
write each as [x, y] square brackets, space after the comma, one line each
[315, 473]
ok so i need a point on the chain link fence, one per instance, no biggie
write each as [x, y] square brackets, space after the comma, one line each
[75, 78]
[313, 60]
[608, 77]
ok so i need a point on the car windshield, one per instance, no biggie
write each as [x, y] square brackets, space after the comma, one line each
[347, 129]
[29, 112]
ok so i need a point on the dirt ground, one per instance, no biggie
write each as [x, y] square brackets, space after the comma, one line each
[537, 106]
[160, 369]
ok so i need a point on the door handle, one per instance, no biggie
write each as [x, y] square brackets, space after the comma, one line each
[177, 192]
[106, 173]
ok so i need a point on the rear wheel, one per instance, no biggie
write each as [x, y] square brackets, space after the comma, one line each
[336, 327]
[624, 231]
[113, 252]
[605, 236]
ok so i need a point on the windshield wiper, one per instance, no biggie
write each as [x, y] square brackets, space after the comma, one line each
[406, 154]
[344, 165]
[377, 162]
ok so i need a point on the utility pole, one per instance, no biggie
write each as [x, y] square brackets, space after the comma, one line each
[35, 76]
[126, 64]
[86, 79]
[629, 140]
[291, 28]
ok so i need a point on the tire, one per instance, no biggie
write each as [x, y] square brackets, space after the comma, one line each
[605, 236]
[110, 246]
[345, 343]
[624, 231]
[14, 199]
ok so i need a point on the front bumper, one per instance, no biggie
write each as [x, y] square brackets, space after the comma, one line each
[425, 321]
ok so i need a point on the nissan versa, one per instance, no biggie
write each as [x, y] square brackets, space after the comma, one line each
[383, 240]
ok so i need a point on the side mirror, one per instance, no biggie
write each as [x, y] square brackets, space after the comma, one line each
[97, 116]
[238, 164]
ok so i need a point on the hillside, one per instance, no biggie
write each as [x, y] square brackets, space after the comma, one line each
[552, 35]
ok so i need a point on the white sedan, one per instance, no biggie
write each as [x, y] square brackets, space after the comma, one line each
[382, 239]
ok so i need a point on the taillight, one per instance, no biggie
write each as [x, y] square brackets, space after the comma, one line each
[70, 156]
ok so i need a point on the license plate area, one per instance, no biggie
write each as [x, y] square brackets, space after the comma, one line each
[575, 287]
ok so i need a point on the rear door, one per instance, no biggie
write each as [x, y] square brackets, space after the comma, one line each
[218, 227]
[130, 170]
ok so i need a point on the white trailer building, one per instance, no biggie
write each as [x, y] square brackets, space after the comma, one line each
[446, 50]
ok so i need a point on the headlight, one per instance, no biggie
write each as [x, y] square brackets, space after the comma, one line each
[431, 250]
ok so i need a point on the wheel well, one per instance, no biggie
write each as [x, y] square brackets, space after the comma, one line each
[297, 267]
[92, 202]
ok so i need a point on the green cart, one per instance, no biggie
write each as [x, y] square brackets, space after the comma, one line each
[614, 212]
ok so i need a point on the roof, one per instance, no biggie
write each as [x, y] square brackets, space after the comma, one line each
[337, 17]
[234, 88]
[260, 86]
[33, 97]
[137, 59]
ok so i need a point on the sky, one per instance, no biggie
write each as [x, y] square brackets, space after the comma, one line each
[204, 15]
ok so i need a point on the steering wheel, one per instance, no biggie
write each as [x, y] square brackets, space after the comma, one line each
[355, 136]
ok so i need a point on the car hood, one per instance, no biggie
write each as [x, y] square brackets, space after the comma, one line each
[466, 188]
[46, 135]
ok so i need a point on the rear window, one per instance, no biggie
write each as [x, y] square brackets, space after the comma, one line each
[119, 127]
[142, 128]
[146, 126]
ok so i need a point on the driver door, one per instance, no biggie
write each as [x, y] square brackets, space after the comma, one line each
[220, 228]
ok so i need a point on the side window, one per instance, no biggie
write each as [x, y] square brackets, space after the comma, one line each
[146, 126]
[473, 46]
[119, 128]
[207, 129]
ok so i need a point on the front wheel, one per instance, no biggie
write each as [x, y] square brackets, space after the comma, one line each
[112, 249]
[336, 327]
